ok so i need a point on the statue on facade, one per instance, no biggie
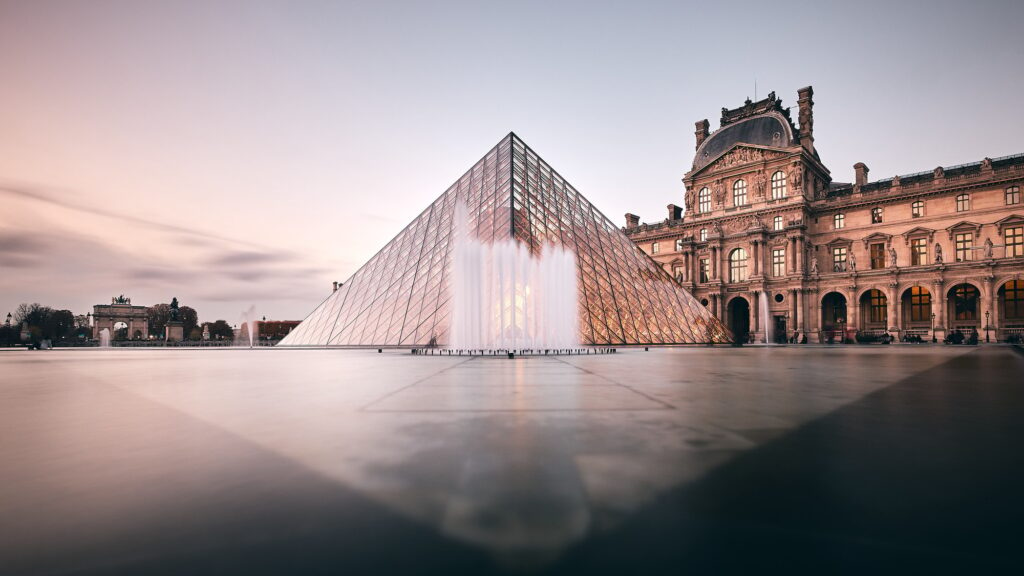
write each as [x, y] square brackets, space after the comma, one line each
[719, 193]
[938, 253]
[688, 200]
[174, 310]
[988, 248]
[796, 176]
[759, 185]
[814, 265]
[853, 262]
[892, 257]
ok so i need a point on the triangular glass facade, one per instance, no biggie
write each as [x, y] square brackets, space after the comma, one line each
[401, 297]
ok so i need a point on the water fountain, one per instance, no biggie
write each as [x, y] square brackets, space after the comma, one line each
[248, 323]
[765, 317]
[505, 298]
[105, 338]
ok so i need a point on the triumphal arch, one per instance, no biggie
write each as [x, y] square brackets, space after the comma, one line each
[121, 310]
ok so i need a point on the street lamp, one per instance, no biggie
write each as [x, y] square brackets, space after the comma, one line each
[934, 339]
[987, 326]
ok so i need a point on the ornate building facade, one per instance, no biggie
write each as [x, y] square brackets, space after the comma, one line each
[777, 250]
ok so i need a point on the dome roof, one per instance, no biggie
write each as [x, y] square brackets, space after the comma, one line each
[769, 129]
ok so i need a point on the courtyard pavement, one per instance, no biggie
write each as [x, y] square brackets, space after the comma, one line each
[846, 459]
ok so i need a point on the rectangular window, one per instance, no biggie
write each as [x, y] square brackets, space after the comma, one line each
[876, 215]
[677, 273]
[1014, 240]
[838, 221]
[920, 304]
[917, 209]
[777, 223]
[878, 307]
[964, 247]
[679, 244]
[705, 270]
[839, 259]
[1013, 195]
[778, 262]
[963, 203]
[877, 256]
[655, 248]
[918, 251]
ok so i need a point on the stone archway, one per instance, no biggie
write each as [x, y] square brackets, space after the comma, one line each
[964, 307]
[120, 310]
[738, 311]
[833, 316]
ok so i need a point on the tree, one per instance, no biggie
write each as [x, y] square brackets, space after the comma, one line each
[37, 317]
[59, 325]
[189, 319]
[157, 316]
[220, 330]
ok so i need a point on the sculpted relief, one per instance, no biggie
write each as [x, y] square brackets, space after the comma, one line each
[743, 155]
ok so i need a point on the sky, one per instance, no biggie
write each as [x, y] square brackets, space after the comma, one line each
[245, 152]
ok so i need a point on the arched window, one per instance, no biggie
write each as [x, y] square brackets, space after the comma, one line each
[917, 209]
[963, 202]
[1012, 296]
[703, 234]
[778, 185]
[1013, 195]
[920, 304]
[877, 307]
[965, 302]
[739, 193]
[704, 200]
[838, 221]
[738, 265]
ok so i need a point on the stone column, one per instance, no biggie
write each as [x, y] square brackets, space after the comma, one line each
[800, 256]
[995, 317]
[852, 310]
[892, 320]
[755, 249]
[795, 307]
[714, 262]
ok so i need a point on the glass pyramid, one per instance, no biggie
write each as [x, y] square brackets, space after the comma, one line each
[402, 296]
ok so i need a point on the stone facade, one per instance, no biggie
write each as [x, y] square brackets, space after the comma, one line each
[778, 250]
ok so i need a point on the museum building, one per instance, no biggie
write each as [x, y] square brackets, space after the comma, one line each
[777, 250]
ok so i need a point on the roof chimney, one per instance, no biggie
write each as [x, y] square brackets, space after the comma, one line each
[335, 287]
[632, 220]
[806, 103]
[701, 132]
[861, 174]
[675, 212]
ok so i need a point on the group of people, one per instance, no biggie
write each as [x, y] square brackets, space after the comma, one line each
[957, 336]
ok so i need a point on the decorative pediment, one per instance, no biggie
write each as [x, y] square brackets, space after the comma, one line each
[878, 237]
[741, 154]
[964, 226]
[1011, 220]
[918, 232]
[840, 242]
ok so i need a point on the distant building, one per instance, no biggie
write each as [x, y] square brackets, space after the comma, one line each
[770, 243]
[120, 311]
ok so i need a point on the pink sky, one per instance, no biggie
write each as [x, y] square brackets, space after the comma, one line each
[232, 153]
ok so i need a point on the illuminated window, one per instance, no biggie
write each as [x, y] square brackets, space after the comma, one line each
[920, 304]
[917, 209]
[704, 200]
[738, 265]
[739, 193]
[1013, 195]
[877, 307]
[963, 202]
[839, 221]
[964, 247]
[778, 262]
[778, 185]
[839, 259]
[703, 234]
[965, 302]
[705, 270]
[679, 244]
[876, 215]
[918, 251]
[1013, 238]
[777, 223]
[1013, 300]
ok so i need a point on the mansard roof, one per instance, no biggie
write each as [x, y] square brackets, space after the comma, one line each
[769, 129]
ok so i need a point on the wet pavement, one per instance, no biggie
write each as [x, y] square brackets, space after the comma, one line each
[785, 459]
